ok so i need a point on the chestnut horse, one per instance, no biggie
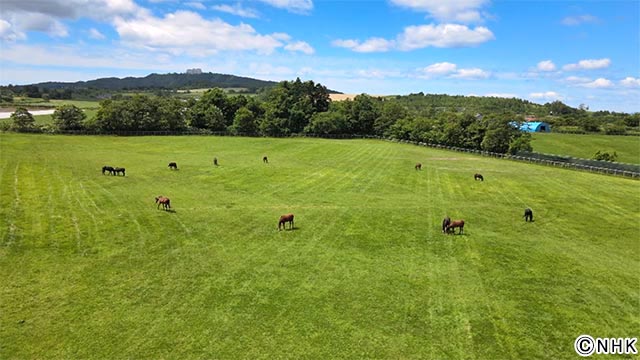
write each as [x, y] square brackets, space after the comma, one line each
[418, 166]
[445, 222]
[455, 224]
[164, 201]
[288, 218]
[528, 214]
[478, 177]
[173, 166]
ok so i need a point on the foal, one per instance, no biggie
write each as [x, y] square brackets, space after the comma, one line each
[164, 201]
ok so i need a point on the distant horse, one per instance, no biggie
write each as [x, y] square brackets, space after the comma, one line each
[528, 214]
[173, 166]
[107, 168]
[478, 177]
[418, 166]
[455, 224]
[118, 170]
[215, 161]
[445, 222]
[265, 160]
[164, 201]
[288, 218]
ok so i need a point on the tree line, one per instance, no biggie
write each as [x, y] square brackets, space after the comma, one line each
[297, 107]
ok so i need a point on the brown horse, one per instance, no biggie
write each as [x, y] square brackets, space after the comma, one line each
[164, 201]
[445, 222]
[173, 166]
[418, 166]
[455, 224]
[288, 218]
[265, 160]
[478, 177]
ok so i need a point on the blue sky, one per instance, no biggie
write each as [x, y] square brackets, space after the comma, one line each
[579, 52]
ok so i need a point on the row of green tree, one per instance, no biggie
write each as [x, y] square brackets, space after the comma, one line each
[292, 107]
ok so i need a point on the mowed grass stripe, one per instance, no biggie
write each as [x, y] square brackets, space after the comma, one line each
[366, 272]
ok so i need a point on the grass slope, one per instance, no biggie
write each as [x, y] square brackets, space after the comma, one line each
[91, 269]
[585, 146]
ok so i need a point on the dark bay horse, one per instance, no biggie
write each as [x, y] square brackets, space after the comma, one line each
[265, 160]
[288, 218]
[418, 166]
[528, 214]
[215, 161]
[445, 222]
[455, 224]
[173, 166]
[118, 170]
[107, 168]
[164, 201]
[478, 177]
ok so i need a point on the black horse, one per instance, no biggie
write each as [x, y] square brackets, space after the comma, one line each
[265, 160]
[528, 214]
[107, 168]
[118, 170]
[173, 166]
[215, 161]
[445, 222]
[478, 177]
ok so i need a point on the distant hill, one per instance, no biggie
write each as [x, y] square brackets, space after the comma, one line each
[172, 81]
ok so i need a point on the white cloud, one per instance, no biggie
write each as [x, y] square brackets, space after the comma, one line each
[418, 37]
[196, 5]
[546, 65]
[300, 46]
[186, 31]
[470, 74]
[295, 6]
[501, 95]
[442, 36]
[9, 33]
[577, 79]
[446, 69]
[589, 64]
[369, 45]
[547, 95]
[442, 68]
[630, 82]
[599, 83]
[462, 11]
[95, 34]
[236, 9]
[580, 19]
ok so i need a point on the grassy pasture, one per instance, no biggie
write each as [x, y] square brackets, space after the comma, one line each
[585, 146]
[91, 269]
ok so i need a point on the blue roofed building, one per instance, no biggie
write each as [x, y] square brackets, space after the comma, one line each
[534, 126]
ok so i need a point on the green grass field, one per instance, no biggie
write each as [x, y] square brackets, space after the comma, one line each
[91, 269]
[585, 146]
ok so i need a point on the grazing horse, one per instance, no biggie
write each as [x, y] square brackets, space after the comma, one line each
[118, 170]
[418, 166]
[455, 224]
[173, 166]
[107, 168]
[478, 177]
[164, 201]
[215, 161]
[445, 222]
[265, 160]
[288, 218]
[528, 214]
